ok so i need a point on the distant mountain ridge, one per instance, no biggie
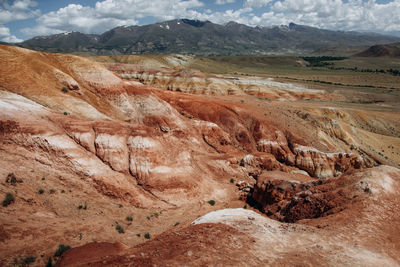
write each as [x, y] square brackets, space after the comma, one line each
[204, 38]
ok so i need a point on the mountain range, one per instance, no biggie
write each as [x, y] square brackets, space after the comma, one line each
[204, 38]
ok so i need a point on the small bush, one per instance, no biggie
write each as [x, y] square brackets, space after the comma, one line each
[176, 224]
[129, 218]
[245, 206]
[232, 180]
[120, 229]
[11, 179]
[8, 199]
[147, 236]
[61, 249]
[65, 113]
[29, 260]
[40, 191]
[83, 206]
[49, 263]
[64, 90]
[211, 202]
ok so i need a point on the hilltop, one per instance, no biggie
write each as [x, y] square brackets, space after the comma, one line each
[388, 50]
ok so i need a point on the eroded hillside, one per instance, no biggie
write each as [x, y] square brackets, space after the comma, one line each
[85, 154]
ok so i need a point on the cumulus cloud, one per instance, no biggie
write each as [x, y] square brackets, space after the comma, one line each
[17, 10]
[13, 11]
[108, 14]
[256, 3]
[337, 14]
[6, 36]
[223, 2]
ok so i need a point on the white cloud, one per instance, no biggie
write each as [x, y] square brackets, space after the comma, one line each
[18, 10]
[337, 14]
[6, 36]
[108, 14]
[223, 2]
[256, 3]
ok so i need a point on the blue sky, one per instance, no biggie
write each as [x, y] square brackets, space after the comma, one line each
[23, 19]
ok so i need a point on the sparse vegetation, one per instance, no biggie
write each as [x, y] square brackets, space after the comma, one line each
[49, 263]
[321, 61]
[65, 89]
[177, 223]
[147, 236]
[29, 260]
[211, 202]
[8, 199]
[84, 206]
[61, 249]
[65, 113]
[40, 191]
[120, 229]
[11, 179]
[232, 180]
[129, 218]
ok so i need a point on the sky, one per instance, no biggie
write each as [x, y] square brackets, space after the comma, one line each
[24, 19]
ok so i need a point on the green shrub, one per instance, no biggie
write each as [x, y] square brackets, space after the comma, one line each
[120, 229]
[49, 263]
[64, 90]
[176, 224]
[61, 249]
[232, 180]
[147, 235]
[29, 260]
[211, 202]
[11, 179]
[40, 191]
[129, 218]
[8, 199]
[83, 206]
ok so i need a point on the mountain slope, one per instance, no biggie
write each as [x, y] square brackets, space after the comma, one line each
[389, 50]
[204, 38]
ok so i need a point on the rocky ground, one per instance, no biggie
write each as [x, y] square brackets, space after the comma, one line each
[104, 160]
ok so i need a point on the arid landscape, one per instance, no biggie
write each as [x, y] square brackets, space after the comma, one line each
[171, 160]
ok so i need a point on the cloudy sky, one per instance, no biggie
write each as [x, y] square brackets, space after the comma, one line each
[23, 19]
